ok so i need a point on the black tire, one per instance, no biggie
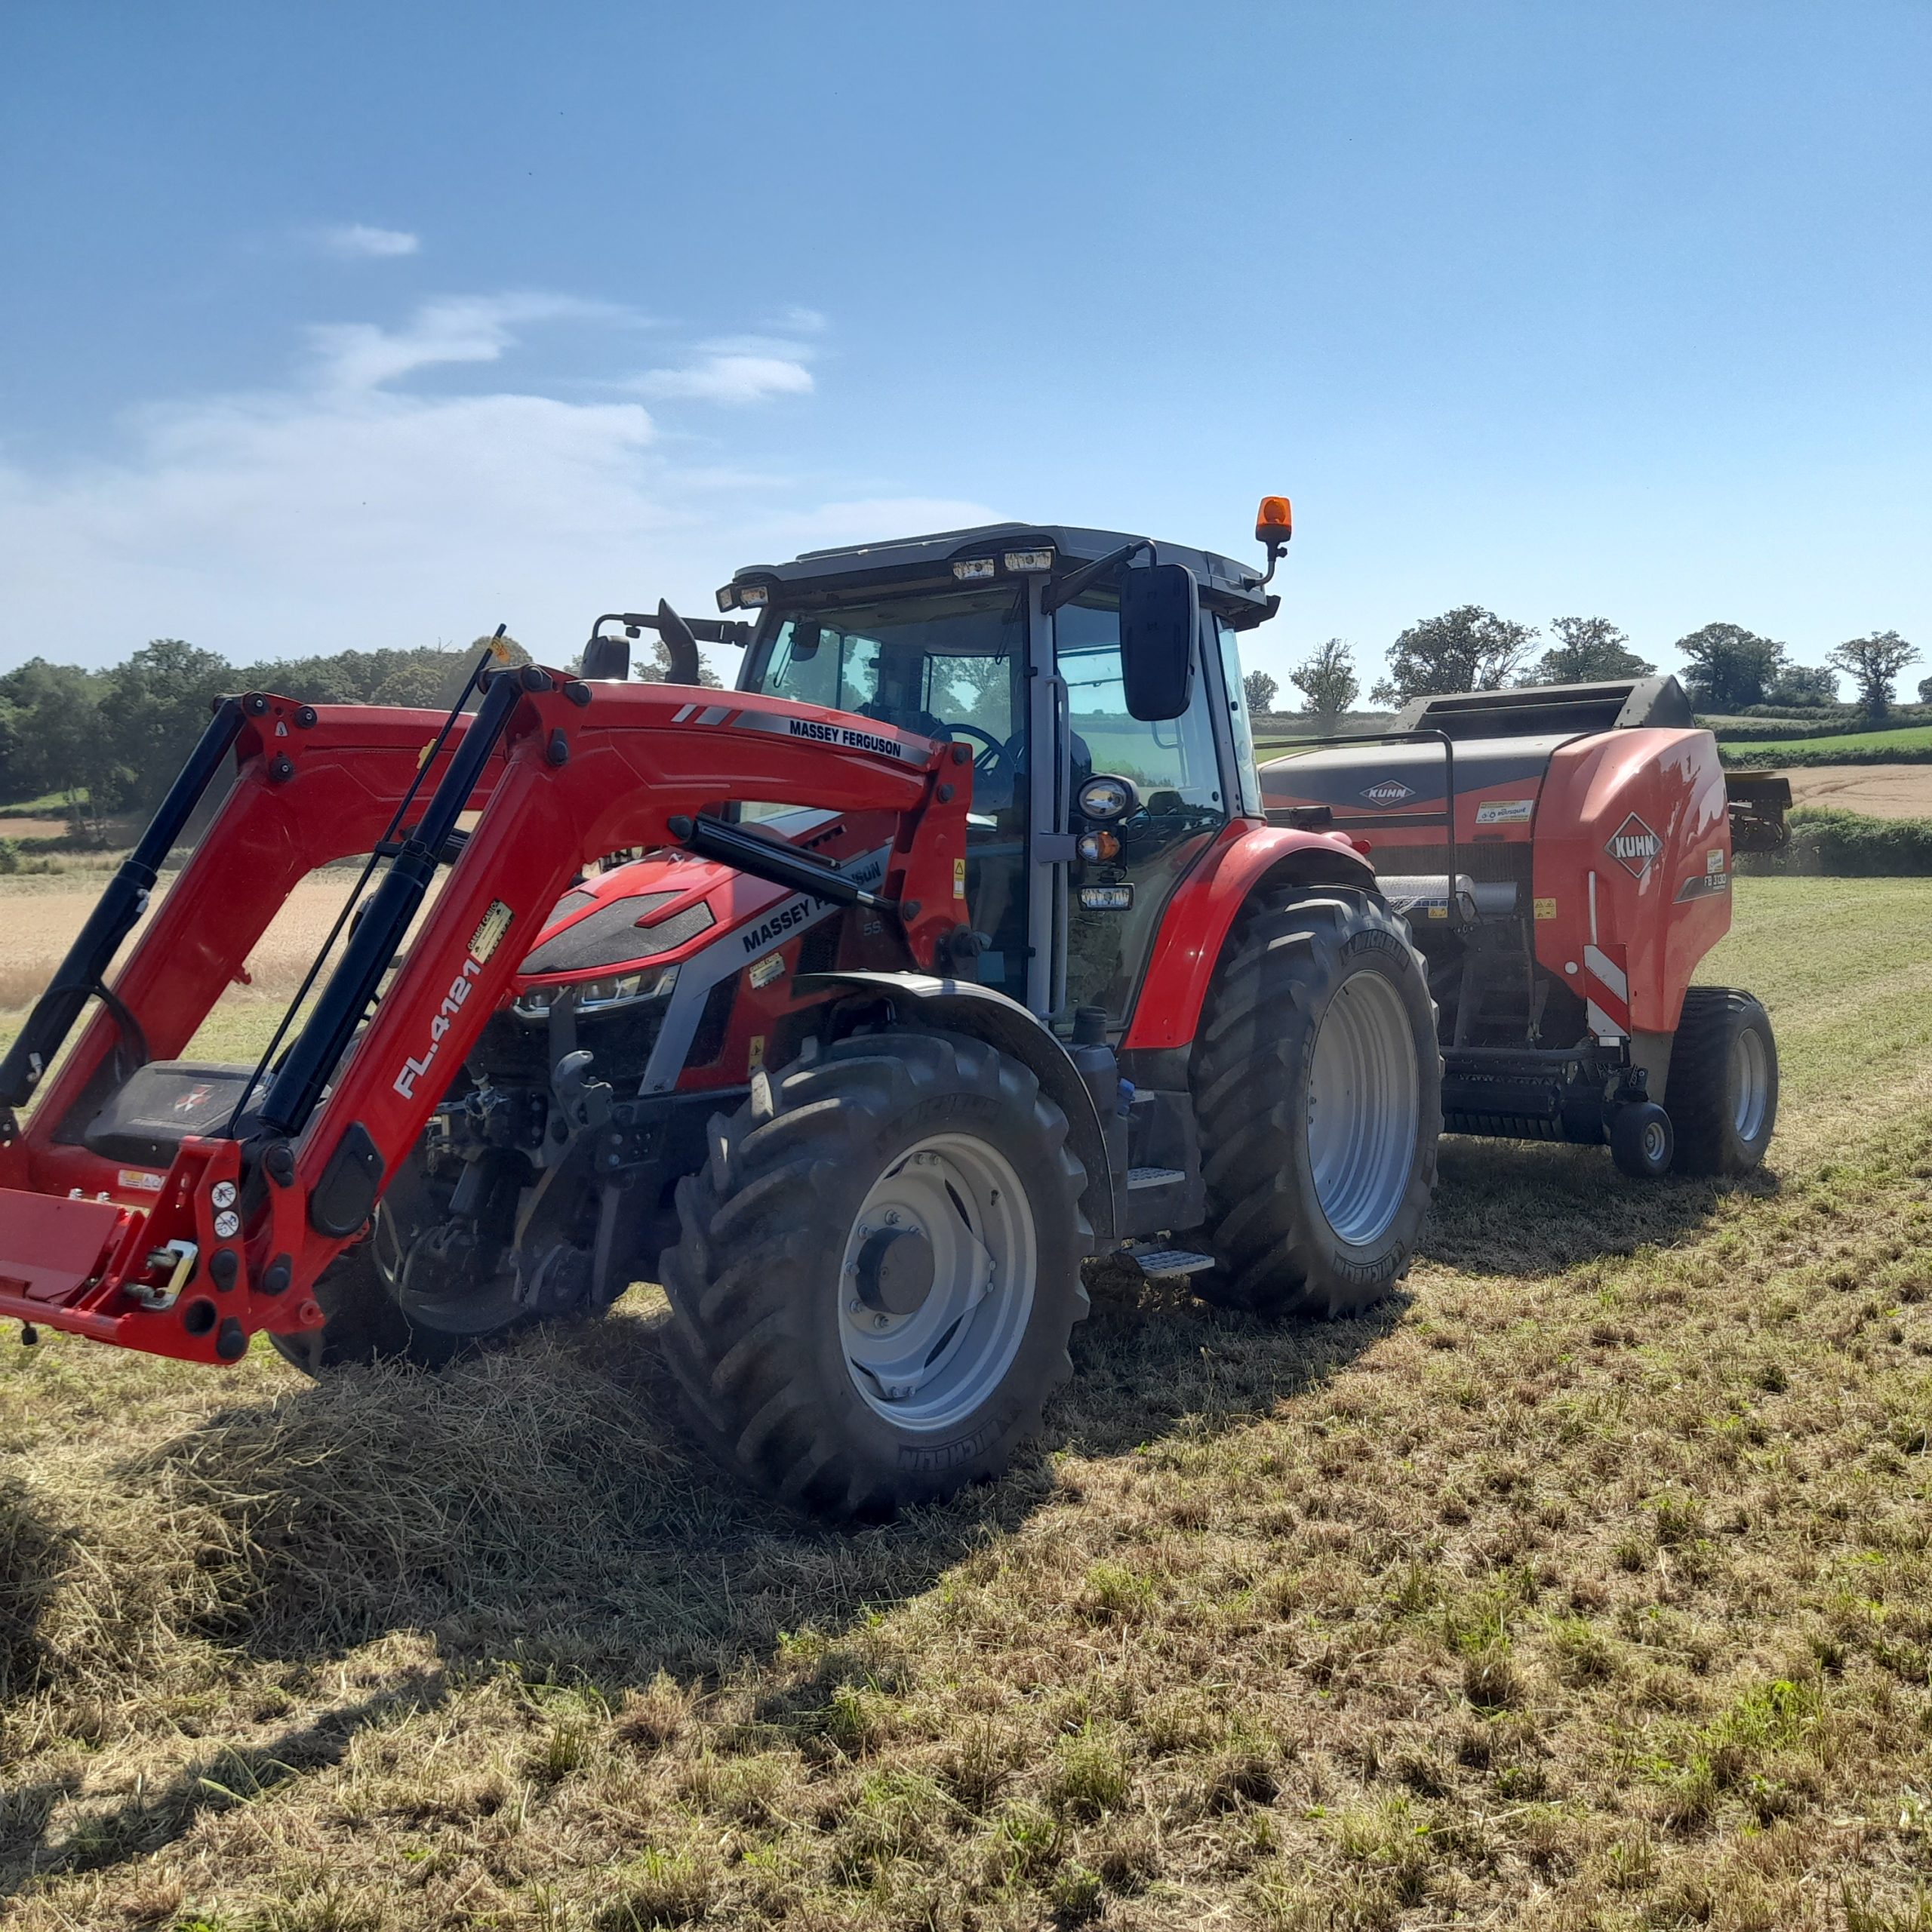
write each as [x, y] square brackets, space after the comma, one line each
[762, 1338]
[363, 1321]
[1292, 953]
[1723, 1092]
[1642, 1140]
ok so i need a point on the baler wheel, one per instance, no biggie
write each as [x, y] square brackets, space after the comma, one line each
[1723, 1094]
[1641, 1139]
[878, 1273]
[1317, 1086]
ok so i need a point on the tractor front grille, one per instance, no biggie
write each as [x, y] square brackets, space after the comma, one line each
[511, 1052]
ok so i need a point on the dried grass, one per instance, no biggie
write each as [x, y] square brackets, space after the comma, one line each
[1585, 1586]
[42, 925]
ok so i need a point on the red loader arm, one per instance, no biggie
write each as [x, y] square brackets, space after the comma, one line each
[235, 1235]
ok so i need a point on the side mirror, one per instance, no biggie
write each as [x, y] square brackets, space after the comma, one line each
[606, 660]
[1160, 608]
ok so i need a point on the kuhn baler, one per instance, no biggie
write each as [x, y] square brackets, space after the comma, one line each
[1563, 855]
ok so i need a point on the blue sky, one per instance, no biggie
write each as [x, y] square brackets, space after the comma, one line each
[370, 325]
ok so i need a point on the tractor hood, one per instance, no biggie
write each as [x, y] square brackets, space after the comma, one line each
[663, 909]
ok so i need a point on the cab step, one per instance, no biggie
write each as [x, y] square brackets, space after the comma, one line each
[1153, 1259]
[1154, 1176]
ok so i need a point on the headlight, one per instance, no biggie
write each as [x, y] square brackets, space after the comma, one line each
[597, 995]
[1104, 798]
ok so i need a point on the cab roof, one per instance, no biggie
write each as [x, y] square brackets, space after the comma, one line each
[1232, 590]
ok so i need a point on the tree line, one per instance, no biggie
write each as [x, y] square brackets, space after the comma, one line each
[1726, 668]
[117, 737]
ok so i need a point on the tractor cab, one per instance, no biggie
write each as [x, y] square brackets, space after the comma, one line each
[1109, 745]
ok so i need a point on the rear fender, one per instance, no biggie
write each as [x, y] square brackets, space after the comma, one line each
[982, 1013]
[1245, 860]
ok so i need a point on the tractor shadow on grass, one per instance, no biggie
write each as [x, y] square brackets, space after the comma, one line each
[541, 1515]
[222, 1779]
[1527, 1207]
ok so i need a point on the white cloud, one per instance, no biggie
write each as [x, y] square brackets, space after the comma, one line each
[475, 328]
[733, 378]
[355, 241]
[343, 509]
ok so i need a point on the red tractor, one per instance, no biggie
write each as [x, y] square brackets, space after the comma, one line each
[859, 1006]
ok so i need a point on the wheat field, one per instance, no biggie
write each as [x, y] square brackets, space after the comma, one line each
[42, 915]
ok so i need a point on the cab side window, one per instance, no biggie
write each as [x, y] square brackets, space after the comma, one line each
[1181, 806]
[1176, 757]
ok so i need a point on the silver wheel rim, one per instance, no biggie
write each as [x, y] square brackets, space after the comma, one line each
[1364, 1102]
[1653, 1142]
[925, 1368]
[1750, 1083]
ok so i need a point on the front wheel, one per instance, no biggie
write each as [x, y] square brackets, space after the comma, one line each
[1318, 1086]
[1641, 1141]
[410, 1291]
[878, 1272]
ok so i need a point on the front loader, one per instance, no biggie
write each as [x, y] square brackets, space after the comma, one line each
[859, 1006]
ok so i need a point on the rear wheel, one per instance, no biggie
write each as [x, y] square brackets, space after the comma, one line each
[1318, 1086]
[878, 1272]
[1723, 1094]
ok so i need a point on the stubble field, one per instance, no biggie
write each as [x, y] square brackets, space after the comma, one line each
[1584, 1585]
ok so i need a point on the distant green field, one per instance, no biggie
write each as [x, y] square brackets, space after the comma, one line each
[47, 803]
[1911, 747]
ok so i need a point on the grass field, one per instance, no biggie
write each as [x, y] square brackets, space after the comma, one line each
[1912, 746]
[1586, 1585]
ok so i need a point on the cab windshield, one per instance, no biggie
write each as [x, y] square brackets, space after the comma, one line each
[946, 667]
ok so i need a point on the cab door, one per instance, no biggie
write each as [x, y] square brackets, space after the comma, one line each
[1114, 903]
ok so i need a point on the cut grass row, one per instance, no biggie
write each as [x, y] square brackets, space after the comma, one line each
[1586, 1585]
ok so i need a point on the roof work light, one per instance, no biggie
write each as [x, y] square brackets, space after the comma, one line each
[1274, 525]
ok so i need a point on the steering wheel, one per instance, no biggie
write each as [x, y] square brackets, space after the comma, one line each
[996, 754]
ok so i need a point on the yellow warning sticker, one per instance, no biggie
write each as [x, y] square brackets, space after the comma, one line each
[140, 1180]
[489, 930]
[1545, 909]
[757, 1054]
[959, 878]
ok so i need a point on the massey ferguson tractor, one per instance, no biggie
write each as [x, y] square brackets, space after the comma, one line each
[861, 1005]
